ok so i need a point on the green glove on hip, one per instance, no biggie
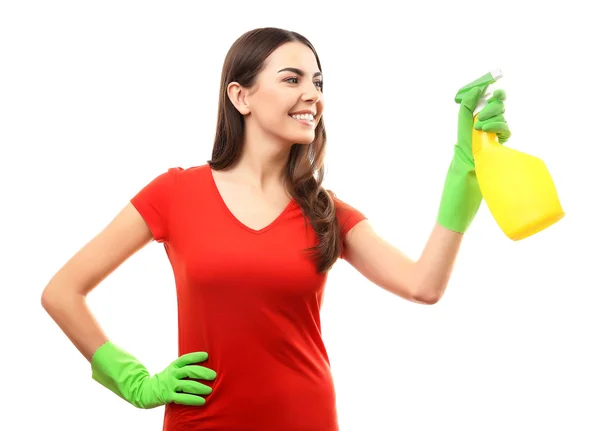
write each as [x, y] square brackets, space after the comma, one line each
[461, 196]
[123, 374]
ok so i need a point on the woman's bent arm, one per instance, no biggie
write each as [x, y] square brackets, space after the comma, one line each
[64, 298]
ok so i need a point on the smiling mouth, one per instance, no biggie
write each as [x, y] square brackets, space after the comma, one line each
[306, 119]
[304, 122]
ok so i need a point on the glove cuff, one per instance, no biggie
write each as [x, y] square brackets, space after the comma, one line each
[461, 196]
[117, 370]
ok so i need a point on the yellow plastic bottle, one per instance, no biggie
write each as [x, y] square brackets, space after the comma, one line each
[517, 187]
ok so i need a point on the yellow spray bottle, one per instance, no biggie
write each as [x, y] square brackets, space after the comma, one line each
[517, 187]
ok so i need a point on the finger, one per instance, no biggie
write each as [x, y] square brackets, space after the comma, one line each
[195, 372]
[188, 400]
[504, 136]
[190, 358]
[192, 387]
[499, 95]
[479, 124]
[491, 109]
[495, 127]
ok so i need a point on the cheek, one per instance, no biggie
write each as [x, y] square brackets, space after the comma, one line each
[275, 107]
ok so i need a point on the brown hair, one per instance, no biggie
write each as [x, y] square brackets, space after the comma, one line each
[305, 167]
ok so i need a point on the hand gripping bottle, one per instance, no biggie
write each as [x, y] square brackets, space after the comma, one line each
[517, 187]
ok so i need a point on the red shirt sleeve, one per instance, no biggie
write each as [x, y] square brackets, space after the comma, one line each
[348, 217]
[153, 202]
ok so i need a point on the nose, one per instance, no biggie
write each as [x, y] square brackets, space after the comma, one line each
[311, 94]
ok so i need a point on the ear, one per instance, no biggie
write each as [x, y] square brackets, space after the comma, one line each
[238, 97]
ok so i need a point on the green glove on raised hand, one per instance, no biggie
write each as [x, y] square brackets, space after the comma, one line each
[491, 118]
[123, 374]
[461, 197]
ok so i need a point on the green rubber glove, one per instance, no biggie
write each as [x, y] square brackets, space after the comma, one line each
[491, 118]
[123, 374]
[461, 196]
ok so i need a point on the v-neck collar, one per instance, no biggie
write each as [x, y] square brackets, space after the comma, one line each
[237, 221]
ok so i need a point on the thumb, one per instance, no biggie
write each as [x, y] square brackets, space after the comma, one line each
[470, 99]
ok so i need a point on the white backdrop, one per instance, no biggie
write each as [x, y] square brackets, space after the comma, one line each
[98, 98]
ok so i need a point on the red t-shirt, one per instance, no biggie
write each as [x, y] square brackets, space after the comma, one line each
[251, 299]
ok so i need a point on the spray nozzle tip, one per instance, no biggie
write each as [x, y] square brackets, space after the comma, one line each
[496, 74]
[482, 82]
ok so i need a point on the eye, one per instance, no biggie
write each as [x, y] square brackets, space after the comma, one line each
[295, 78]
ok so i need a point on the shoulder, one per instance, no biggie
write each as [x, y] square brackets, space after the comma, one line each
[178, 172]
[342, 207]
[175, 176]
[169, 181]
[348, 215]
[163, 194]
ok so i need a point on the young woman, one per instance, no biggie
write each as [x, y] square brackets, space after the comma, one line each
[251, 236]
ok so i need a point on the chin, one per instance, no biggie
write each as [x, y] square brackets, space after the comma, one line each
[304, 137]
[298, 138]
[304, 140]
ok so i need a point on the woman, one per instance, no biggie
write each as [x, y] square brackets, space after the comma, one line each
[251, 236]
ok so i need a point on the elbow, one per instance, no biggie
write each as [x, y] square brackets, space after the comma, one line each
[428, 289]
[52, 299]
[428, 295]
[57, 303]
[48, 299]
[59, 291]
[427, 299]
[419, 289]
[420, 296]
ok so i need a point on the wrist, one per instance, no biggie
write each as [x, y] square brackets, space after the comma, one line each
[461, 196]
[118, 371]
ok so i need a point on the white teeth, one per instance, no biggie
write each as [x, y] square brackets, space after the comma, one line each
[306, 117]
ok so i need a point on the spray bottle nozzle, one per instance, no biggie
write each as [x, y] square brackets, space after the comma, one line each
[482, 82]
[485, 83]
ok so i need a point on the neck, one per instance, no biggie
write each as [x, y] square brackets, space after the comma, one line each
[262, 163]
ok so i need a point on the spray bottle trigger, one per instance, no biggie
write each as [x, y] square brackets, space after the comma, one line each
[487, 94]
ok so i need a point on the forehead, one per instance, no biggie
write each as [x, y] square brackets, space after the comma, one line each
[292, 54]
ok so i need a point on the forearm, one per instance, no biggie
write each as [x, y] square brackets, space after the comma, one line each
[72, 315]
[436, 262]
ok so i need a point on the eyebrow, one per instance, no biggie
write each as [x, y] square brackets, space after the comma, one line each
[298, 71]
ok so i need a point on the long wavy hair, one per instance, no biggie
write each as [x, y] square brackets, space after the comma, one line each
[305, 166]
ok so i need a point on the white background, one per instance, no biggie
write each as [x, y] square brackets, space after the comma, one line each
[97, 98]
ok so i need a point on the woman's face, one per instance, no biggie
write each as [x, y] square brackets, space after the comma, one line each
[287, 100]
